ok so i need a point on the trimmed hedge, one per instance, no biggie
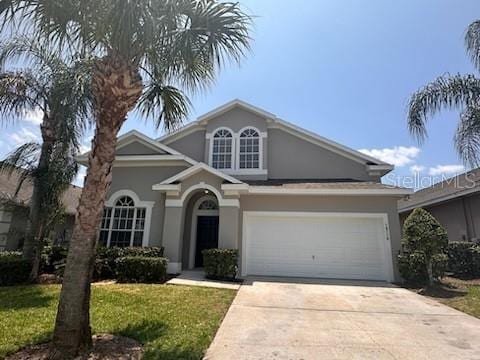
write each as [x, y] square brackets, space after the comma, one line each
[13, 269]
[141, 269]
[220, 264]
[106, 258]
[463, 258]
[54, 259]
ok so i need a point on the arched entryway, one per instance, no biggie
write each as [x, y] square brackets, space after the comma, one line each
[204, 232]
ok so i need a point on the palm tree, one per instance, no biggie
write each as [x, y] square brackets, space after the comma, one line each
[61, 92]
[142, 46]
[458, 91]
[51, 184]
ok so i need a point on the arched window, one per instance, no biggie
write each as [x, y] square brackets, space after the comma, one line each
[208, 204]
[222, 149]
[249, 152]
[123, 224]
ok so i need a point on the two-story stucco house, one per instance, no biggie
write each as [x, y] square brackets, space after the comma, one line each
[292, 202]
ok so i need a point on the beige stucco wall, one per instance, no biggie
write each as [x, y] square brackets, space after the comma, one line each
[236, 119]
[362, 204]
[192, 145]
[136, 148]
[285, 156]
[460, 217]
[294, 158]
[140, 181]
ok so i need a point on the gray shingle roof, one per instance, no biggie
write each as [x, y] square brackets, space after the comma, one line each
[457, 186]
[8, 186]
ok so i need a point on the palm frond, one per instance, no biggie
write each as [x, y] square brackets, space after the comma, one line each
[467, 136]
[23, 162]
[32, 52]
[20, 92]
[454, 92]
[472, 42]
[166, 104]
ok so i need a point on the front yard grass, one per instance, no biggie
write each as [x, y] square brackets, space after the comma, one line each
[173, 322]
[463, 295]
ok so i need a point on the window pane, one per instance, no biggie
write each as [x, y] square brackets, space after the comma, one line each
[137, 238]
[120, 238]
[103, 238]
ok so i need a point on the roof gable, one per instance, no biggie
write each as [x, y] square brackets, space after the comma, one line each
[196, 169]
[274, 122]
[155, 149]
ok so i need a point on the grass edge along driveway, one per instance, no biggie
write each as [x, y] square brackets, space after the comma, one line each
[171, 321]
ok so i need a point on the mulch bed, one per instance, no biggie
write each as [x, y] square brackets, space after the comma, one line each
[105, 347]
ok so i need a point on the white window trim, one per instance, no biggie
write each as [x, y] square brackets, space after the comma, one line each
[235, 169]
[210, 155]
[148, 205]
[193, 231]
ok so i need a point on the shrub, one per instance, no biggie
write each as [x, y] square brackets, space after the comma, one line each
[220, 264]
[141, 269]
[463, 258]
[54, 258]
[422, 259]
[106, 258]
[413, 269]
[476, 260]
[13, 269]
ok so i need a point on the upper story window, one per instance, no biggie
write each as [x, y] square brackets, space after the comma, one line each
[222, 149]
[249, 149]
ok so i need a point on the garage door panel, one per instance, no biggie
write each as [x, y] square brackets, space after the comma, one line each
[315, 246]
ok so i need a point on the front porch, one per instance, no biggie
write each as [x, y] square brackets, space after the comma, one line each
[198, 215]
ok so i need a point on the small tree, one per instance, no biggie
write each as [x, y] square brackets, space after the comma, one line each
[423, 238]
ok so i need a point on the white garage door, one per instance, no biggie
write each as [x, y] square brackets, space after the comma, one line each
[324, 245]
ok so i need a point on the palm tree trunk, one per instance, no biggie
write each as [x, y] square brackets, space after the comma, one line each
[31, 240]
[117, 88]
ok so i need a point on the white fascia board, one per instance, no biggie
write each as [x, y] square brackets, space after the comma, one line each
[127, 160]
[234, 189]
[324, 142]
[167, 187]
[197, 168]
[267, 190]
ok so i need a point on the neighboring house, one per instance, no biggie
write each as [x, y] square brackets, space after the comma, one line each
[454, 202]
[292, 202]
[14, 209]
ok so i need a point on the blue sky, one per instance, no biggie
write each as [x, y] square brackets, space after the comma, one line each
[344, 69]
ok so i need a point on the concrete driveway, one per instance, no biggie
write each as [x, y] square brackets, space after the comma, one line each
[286, 319]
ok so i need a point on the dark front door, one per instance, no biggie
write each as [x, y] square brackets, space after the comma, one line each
[207, 236]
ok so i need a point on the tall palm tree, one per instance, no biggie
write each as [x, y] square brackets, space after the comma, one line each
[461, 92]
[61, 92]
[142, 46]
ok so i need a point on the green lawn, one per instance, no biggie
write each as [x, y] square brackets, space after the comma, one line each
[468, 303]
[173, 322]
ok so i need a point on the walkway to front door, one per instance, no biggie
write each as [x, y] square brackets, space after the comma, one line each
[341, 320]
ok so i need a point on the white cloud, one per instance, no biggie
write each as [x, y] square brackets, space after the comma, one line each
[34, 116]
[398, 155]
[446, 170]
[417, 168]
[24, 135]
